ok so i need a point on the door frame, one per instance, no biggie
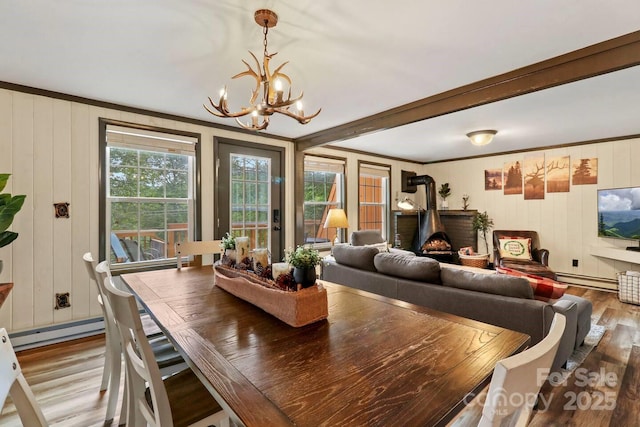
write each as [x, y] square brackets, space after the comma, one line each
[216, 197]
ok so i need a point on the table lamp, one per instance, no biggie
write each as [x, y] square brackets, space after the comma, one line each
[336, 219]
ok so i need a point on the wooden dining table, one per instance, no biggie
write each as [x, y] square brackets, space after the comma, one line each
[374, 361]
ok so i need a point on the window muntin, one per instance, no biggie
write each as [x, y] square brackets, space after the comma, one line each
[323, 190]
[149, 206]
[373, 196]
[250, 197]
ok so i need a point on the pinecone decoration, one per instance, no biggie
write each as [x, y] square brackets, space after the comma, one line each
[259, 270]
[266, 272]
[242, 266]
[286, 282]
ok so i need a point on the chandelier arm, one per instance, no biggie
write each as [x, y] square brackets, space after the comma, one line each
[301, 119]
[251, 73]
[223, 112]
[262, 126]
[277, 74]
[286, 103]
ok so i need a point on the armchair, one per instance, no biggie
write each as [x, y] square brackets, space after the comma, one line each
[538, 264]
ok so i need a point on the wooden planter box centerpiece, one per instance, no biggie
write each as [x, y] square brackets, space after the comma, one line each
[295, 308]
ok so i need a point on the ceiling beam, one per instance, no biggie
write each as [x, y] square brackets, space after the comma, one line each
[605, 57]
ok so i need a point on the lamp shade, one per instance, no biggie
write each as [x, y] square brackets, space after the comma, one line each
[481, 137]
[336, 219]
[407, 204]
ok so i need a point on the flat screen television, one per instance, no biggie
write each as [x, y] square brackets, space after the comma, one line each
[619, 213]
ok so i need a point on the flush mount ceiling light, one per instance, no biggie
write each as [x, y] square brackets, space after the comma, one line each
[481, 137]
[268, 96]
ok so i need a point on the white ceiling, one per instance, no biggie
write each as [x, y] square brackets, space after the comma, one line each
[352, 58]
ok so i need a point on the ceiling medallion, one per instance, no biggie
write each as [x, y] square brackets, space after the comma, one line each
[269, 85]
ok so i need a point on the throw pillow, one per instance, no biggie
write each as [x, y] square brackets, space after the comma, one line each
[381, 247]
[355, 256]
[408, 267]
[515, 247]
[544, 289]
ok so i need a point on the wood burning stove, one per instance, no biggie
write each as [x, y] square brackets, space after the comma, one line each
[431, 238]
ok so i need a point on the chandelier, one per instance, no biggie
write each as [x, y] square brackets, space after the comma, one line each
[268, 84]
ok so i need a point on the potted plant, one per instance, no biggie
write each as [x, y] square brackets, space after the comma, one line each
[444, 192]
[9, 207]
[304, 261]
[482, 222]
[229, 245]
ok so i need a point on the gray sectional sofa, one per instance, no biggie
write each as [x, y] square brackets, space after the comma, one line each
[477, 294]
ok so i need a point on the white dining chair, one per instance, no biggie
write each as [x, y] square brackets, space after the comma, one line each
[12, 382]
[167, 356]
[206, 247]
[112, 355]
[179, 400]
[517, 380]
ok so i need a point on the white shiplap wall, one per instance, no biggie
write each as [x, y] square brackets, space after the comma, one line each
[50, 147]
[566, 222]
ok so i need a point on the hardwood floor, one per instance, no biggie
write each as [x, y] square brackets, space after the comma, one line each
[606, 392]
[66, 378]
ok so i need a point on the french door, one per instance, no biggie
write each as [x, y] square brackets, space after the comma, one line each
[249, 193]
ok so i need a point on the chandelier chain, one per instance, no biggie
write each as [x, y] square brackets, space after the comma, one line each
[265, 30]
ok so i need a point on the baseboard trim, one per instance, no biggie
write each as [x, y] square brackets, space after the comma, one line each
[589, 281]
[47, 335]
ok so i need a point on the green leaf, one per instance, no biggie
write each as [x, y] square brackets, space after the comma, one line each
[8, 211]
[7, 237]
[4, 177]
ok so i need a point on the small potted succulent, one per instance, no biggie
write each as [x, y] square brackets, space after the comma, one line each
[229, 245]
[444, 192]
[304, 260]
[9, 207]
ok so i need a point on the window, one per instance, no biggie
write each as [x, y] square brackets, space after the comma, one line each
[250, 196]
[148, 195]
[323, 190]
[373, 198]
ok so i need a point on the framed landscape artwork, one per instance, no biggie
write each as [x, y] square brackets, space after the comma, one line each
[512, 178]
[534, 177]
[585, 171]
[493, 179]
[558, 174]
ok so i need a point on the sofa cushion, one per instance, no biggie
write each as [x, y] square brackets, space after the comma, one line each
[408, 267]
[355, 256]
[496, 284]
[544, 288]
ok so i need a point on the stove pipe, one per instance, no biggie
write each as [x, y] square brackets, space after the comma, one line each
[430, 220]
